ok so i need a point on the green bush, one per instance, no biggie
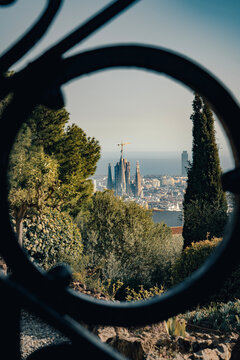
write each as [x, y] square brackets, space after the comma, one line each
[193, 257]
[52, 238]
[123, 243]
[218, 316]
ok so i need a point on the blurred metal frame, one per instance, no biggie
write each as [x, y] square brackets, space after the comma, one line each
[46, 294]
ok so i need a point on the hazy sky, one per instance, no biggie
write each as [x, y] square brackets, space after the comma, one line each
[149, 111]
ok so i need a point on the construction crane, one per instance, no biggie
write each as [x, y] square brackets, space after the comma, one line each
[122, 145]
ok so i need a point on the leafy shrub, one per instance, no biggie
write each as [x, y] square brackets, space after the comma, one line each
[123, 242]
[52, 238]
[142, 294]
[193, 257]
[218, 316]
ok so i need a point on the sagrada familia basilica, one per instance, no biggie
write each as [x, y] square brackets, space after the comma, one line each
[122, 183]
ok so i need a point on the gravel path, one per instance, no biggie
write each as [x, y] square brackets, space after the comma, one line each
[35, 334]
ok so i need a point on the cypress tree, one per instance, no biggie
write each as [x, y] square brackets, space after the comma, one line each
[205, 204]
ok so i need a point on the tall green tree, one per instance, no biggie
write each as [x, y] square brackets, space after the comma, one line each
[47, 127]
[76, 153]
[33, 179]
[205, 204]
[50, 165]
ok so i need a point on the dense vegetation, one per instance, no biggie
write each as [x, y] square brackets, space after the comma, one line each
[123, 243]
[193, 257]
[220, 316]
[49, 166]
[52, 238]
[113, 245]
[50, 192]
[205, 204]
[107, 241]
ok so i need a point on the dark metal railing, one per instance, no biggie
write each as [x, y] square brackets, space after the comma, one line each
[46, 293]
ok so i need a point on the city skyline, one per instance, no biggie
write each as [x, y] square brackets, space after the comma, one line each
[158, 163]
[152, 112]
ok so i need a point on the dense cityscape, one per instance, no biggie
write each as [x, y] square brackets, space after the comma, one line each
[160, 193]
[163, 194]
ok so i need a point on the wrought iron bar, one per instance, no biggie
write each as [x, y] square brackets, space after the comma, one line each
[46, 294]
[91, 25]
[32, 36]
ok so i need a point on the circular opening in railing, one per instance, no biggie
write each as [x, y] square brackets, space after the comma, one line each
[124, 184]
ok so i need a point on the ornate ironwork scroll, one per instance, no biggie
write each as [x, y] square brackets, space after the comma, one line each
[47, 294]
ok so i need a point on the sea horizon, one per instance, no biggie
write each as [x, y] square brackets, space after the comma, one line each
[153, 163]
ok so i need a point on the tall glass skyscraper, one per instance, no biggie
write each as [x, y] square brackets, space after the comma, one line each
[184, 163]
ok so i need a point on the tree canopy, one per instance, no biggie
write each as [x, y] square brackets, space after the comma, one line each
[47, 127]
[33, 178]
[77, 156]
[50, 165]
[205, 205]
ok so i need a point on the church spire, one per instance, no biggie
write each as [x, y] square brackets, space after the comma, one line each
[109, 179]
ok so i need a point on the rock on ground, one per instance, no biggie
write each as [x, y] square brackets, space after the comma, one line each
[149, 342]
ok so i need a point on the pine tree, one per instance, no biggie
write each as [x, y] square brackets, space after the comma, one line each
[205, 204]
[49, 166]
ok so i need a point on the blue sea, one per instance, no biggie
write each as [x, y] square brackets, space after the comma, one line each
[150, 163]
[158, 163]
[170, 218]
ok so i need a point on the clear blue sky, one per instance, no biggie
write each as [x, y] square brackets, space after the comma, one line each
[150, 111]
